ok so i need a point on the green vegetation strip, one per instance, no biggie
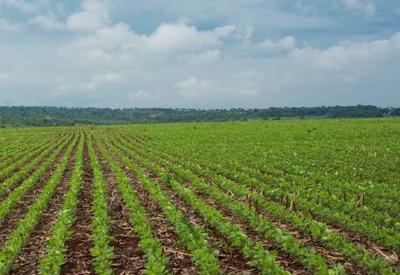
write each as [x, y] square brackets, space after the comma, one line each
[102, 252]
[192, 237]
[279, 189]
[306, 255]
[61, 230]
[17, 194]
[19, 236]
[313, 228]
[254, 252]
[156, 261]
[24, 169]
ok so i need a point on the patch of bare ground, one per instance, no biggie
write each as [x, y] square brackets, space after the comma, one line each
[129, 258]
[28, 260]
[78, 258]
[21, 207]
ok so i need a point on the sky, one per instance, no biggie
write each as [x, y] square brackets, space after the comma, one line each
[199, 54]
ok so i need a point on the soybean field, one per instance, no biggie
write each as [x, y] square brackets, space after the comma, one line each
[257, 197]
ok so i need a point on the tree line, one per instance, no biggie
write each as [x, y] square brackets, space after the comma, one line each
[62, 116]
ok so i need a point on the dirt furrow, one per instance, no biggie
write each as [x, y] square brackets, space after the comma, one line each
[21, 207]
[78, 257]
[33, 251]
[179, 258]
[231, 260]
[129, 258]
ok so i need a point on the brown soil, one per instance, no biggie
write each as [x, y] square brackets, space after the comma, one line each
[332, 257]
[21, 207]
[19, 181]
[28, 260]
[78, 257]
[284, 259]
[129, 258]
[179, 258]
[231, 260]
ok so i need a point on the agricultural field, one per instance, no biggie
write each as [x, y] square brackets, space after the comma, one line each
[258, 197]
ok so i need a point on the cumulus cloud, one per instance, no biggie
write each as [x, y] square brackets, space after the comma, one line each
[194, 87]
[101, 80]
[349, 54]
[48, 22]
[154, 59]
[93, 15]
[24, 5]
[119, 42]
[6, 25]
[366, 6]
[285, 43]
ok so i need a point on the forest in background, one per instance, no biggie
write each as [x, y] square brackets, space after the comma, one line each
[63, 116]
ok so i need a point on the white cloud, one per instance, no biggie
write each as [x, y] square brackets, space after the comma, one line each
[102, 79]
[141, 94]
[48, 22]
[6, 25]
[181, 37]
[94, 14]
[194, 87]
[349, 54]
[25, 6]
[204, 58]
[286, 43]
[119, 43]
[366, 6]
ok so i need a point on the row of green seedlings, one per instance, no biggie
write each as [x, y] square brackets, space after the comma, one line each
[55, 249]
[327, 197]
[19, 153]
[18, 193]
[339, 198]
[23, 170]
[102, 252]
[26, 225]
[316, 230]
[254, 252]
[191, 237]
[156, 261]
[387, 237]
[13, 145]
[305, 255]
[21, 157]
[327, 192]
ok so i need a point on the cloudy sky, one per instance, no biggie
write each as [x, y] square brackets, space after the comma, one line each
[202, 54]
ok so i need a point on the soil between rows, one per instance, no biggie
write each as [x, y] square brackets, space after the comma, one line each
[331, 256]
[179, 258]
[78, 258]
[128, 255]
[282, 258]
[34, 249]
[18, 182]
[21, 207]
[231, 260]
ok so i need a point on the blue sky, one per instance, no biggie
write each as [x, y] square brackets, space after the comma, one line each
[201, 54]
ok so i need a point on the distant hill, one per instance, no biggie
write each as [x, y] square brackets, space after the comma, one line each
[54, 116]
